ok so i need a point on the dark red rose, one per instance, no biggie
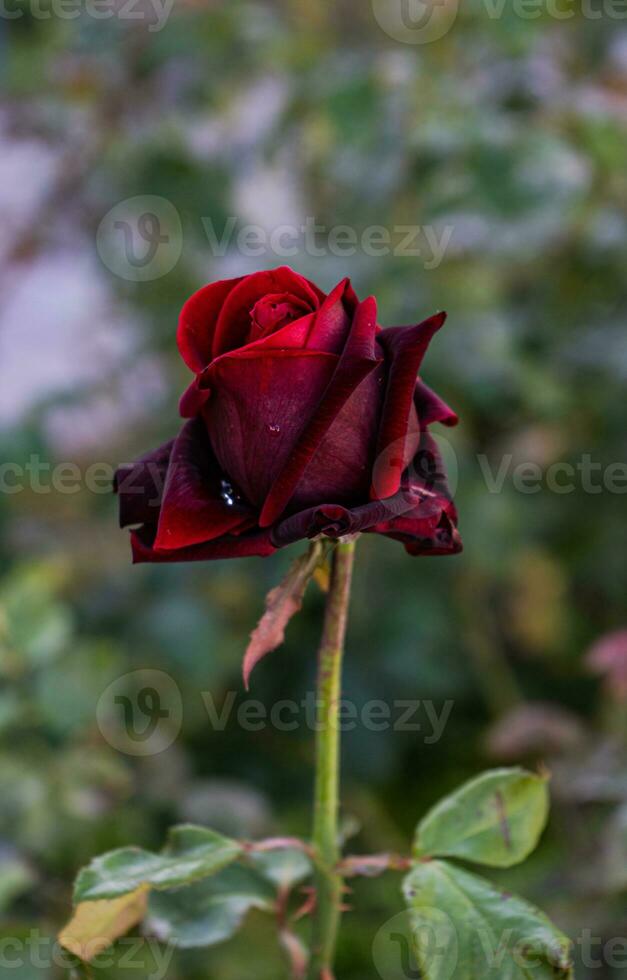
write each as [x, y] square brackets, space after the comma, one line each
[305, 418]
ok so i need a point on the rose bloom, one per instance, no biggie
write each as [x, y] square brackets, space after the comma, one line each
[305, 418]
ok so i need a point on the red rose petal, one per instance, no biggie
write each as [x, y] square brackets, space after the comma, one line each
[431, 408]
[341, 468]
[333, 320]
[419, 501]
[140, 486]
[234, 322]
[261, 399]
[194, 399]
[292, 336]
[356, 362]
[197, 323]
[421, 538]
[405, 348]
[429, 527]
[274, 311]
[254, 542]
[193, 509]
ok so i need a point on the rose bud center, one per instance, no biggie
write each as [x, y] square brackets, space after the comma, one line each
[273, 312]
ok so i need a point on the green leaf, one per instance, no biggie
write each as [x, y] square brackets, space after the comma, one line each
[464, 927]
[495, 819]
[191, 853]
[209, 911]
[284, 867]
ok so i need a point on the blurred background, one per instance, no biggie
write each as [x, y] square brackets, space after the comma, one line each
[502, 144]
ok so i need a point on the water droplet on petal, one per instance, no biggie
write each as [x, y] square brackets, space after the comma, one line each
[274, 429]
[228, 493]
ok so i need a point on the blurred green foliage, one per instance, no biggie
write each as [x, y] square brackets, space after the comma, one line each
[510, 131]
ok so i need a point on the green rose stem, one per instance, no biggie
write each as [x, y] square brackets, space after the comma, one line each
[326, 844]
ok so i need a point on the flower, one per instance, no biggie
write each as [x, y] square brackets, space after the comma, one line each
[304, 418]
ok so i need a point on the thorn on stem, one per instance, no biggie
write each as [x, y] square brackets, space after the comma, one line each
[309, 905]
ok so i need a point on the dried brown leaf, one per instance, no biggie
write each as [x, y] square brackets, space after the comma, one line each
[282, 602]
